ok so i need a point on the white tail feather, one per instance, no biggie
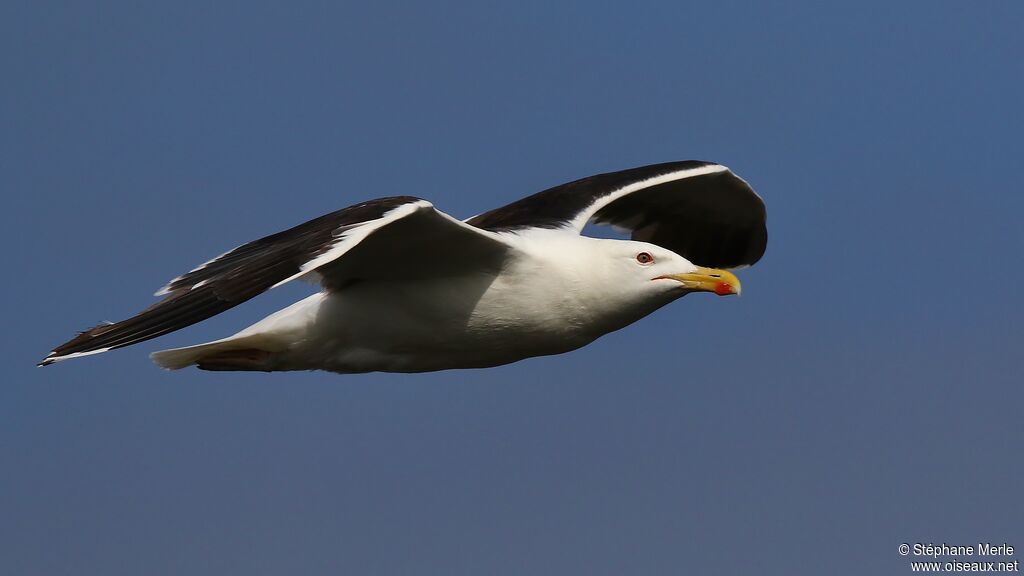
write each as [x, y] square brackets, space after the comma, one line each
[178, 358]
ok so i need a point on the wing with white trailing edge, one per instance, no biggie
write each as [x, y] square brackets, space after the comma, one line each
[699, 210]
[388, 238]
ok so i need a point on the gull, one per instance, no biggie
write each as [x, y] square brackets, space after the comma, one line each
[408, 288]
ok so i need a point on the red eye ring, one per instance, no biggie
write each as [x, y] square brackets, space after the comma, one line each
[644, 258]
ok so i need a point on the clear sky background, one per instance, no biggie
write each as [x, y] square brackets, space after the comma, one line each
[865, 391]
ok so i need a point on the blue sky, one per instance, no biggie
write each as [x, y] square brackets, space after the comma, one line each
[864, 391]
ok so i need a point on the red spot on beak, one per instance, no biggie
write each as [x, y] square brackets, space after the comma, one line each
[724, 289]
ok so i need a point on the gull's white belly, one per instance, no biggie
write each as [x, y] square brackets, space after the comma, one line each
[468, 322]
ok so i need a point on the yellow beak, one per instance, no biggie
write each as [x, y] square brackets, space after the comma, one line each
[721, 282]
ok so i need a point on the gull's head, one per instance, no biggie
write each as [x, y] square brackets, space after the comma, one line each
[648, 268]
[605, 284]
[600, 285]
[622, 279]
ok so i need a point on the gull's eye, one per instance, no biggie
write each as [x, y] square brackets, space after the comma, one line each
[644, 258]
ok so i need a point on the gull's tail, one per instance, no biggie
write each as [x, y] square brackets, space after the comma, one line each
[252, 352]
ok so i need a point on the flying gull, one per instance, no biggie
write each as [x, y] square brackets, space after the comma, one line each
[408, 288]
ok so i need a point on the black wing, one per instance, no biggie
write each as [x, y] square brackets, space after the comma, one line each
[313, 247]
[699, 210]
